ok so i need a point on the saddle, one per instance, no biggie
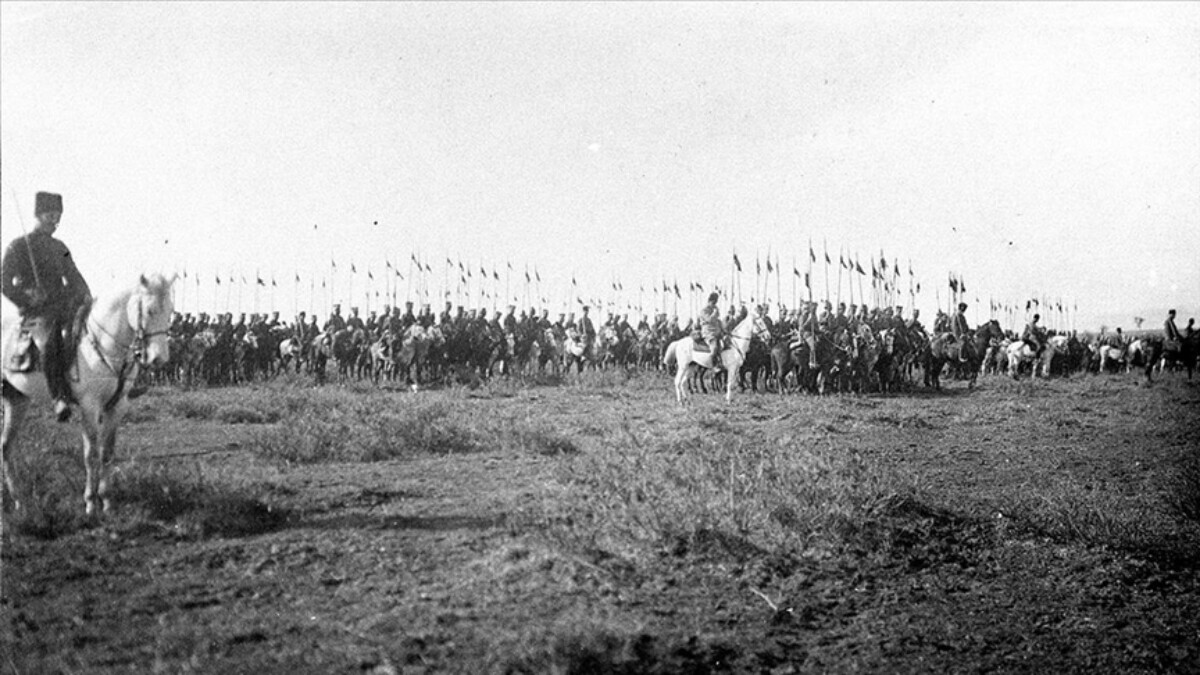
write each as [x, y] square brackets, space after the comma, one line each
[24, 356]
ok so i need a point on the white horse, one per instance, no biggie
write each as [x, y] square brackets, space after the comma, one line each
[122, 336]
[683, 352]
[1019, 353]
[1107, 353]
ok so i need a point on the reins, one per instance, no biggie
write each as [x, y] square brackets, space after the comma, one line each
[136, 348]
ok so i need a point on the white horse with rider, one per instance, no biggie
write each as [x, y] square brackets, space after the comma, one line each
[1019, 353]
[122, 336]
[687, 357]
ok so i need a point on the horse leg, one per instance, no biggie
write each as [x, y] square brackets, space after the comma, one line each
[15, 406]
[91, 458]
[108, 450]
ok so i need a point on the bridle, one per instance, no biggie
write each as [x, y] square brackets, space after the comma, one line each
[136, 349]
[756, 332]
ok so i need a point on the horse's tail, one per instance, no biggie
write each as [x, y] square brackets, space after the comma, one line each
[668, 358]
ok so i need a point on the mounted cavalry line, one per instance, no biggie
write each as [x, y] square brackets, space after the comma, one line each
[94, 369]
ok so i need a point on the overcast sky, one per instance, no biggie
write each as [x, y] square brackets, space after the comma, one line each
[1035, 149]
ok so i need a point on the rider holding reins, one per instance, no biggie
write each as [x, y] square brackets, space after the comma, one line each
[39, 277]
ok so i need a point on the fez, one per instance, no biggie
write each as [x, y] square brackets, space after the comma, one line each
[47, 202]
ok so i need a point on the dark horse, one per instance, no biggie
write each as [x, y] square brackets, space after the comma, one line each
[969, 352]
[1184, 355]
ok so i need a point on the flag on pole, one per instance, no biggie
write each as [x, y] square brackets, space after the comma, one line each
[737, 263]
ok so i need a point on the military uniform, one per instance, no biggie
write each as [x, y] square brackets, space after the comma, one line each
[39, 276]
[1033, 336]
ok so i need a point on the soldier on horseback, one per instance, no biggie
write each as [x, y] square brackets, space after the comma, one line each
[1170, 331]
[1034, 336]
[40, 278]
[712, 328]
[335, 322]
[960, 329]
[586, 329]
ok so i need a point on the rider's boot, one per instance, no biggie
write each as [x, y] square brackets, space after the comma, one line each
[56, 378]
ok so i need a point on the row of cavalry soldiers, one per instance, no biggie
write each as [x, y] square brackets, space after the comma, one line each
[814, 348]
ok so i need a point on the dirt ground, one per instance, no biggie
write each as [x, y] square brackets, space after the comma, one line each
[1041, 532]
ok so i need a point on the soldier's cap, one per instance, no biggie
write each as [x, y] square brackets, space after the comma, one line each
[337, 306]
[354, 309]
[1039, 316]
[47, 202]
[586, 308]
[962, 305]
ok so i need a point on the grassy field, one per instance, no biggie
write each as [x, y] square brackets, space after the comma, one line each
[594, 526]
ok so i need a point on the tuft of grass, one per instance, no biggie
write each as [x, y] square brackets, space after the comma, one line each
[145, 495]
[50, 478]
[723, 497]
[194, 408]
[539, 438]
[1183, 496]
[245, 415]
[1068, 512]
[362, 431]
[590, 644]
[190, 503]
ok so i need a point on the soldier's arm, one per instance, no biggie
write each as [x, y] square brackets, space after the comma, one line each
[75, 281]
[14, 267]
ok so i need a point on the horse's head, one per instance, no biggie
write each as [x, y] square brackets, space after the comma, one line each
[149, 313]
